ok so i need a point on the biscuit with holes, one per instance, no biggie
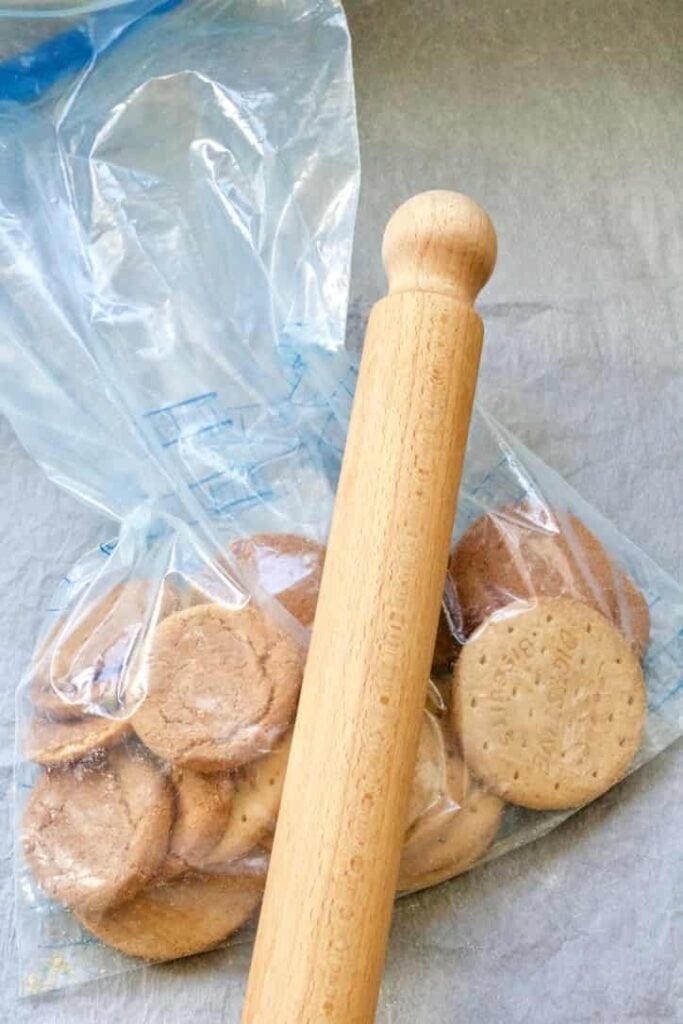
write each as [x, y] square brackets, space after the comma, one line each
[94, 836]
[222, 687]
[202, 810]
[168, 920]
[455, 831]
[548, 703]
[258, 791]
[285, 566]
[522, 552]
[54, 743]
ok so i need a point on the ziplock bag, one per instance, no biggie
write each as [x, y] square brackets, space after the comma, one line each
[176, 216]
[178, 188]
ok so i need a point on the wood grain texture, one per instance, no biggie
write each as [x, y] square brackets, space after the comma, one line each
[324, 923]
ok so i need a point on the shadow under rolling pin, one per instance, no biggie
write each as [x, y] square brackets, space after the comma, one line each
[325, 918]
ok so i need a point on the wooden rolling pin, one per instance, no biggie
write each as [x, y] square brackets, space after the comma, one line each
[327, 908]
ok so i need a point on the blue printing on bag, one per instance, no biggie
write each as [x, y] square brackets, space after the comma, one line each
[27, 76]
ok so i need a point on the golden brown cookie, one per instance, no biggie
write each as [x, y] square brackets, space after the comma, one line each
[524, 551]
[88, 660]
[93, 836]
[258, 790]
[53, 743]
[202, 811]
[168, 920]
[548, 703]
[222, 687]
[454, 832]
[429, 780]
[287, 567]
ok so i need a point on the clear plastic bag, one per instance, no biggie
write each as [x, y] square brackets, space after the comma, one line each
[521, 733]
[176, 213]
[179, 183]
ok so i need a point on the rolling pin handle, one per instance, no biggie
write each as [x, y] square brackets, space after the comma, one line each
[439, 242]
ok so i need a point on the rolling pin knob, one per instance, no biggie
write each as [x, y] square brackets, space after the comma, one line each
[439, 242]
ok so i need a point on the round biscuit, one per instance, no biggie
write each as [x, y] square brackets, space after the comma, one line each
[55, 743]
[454, 833]
[93, 836]
[548, 703]
[255, 805]
[202, 810]
[168, 920]
[523, 552]
[222, 687]
[285, 566]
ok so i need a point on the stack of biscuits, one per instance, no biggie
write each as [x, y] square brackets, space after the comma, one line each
[164, 748]
[548, 698]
